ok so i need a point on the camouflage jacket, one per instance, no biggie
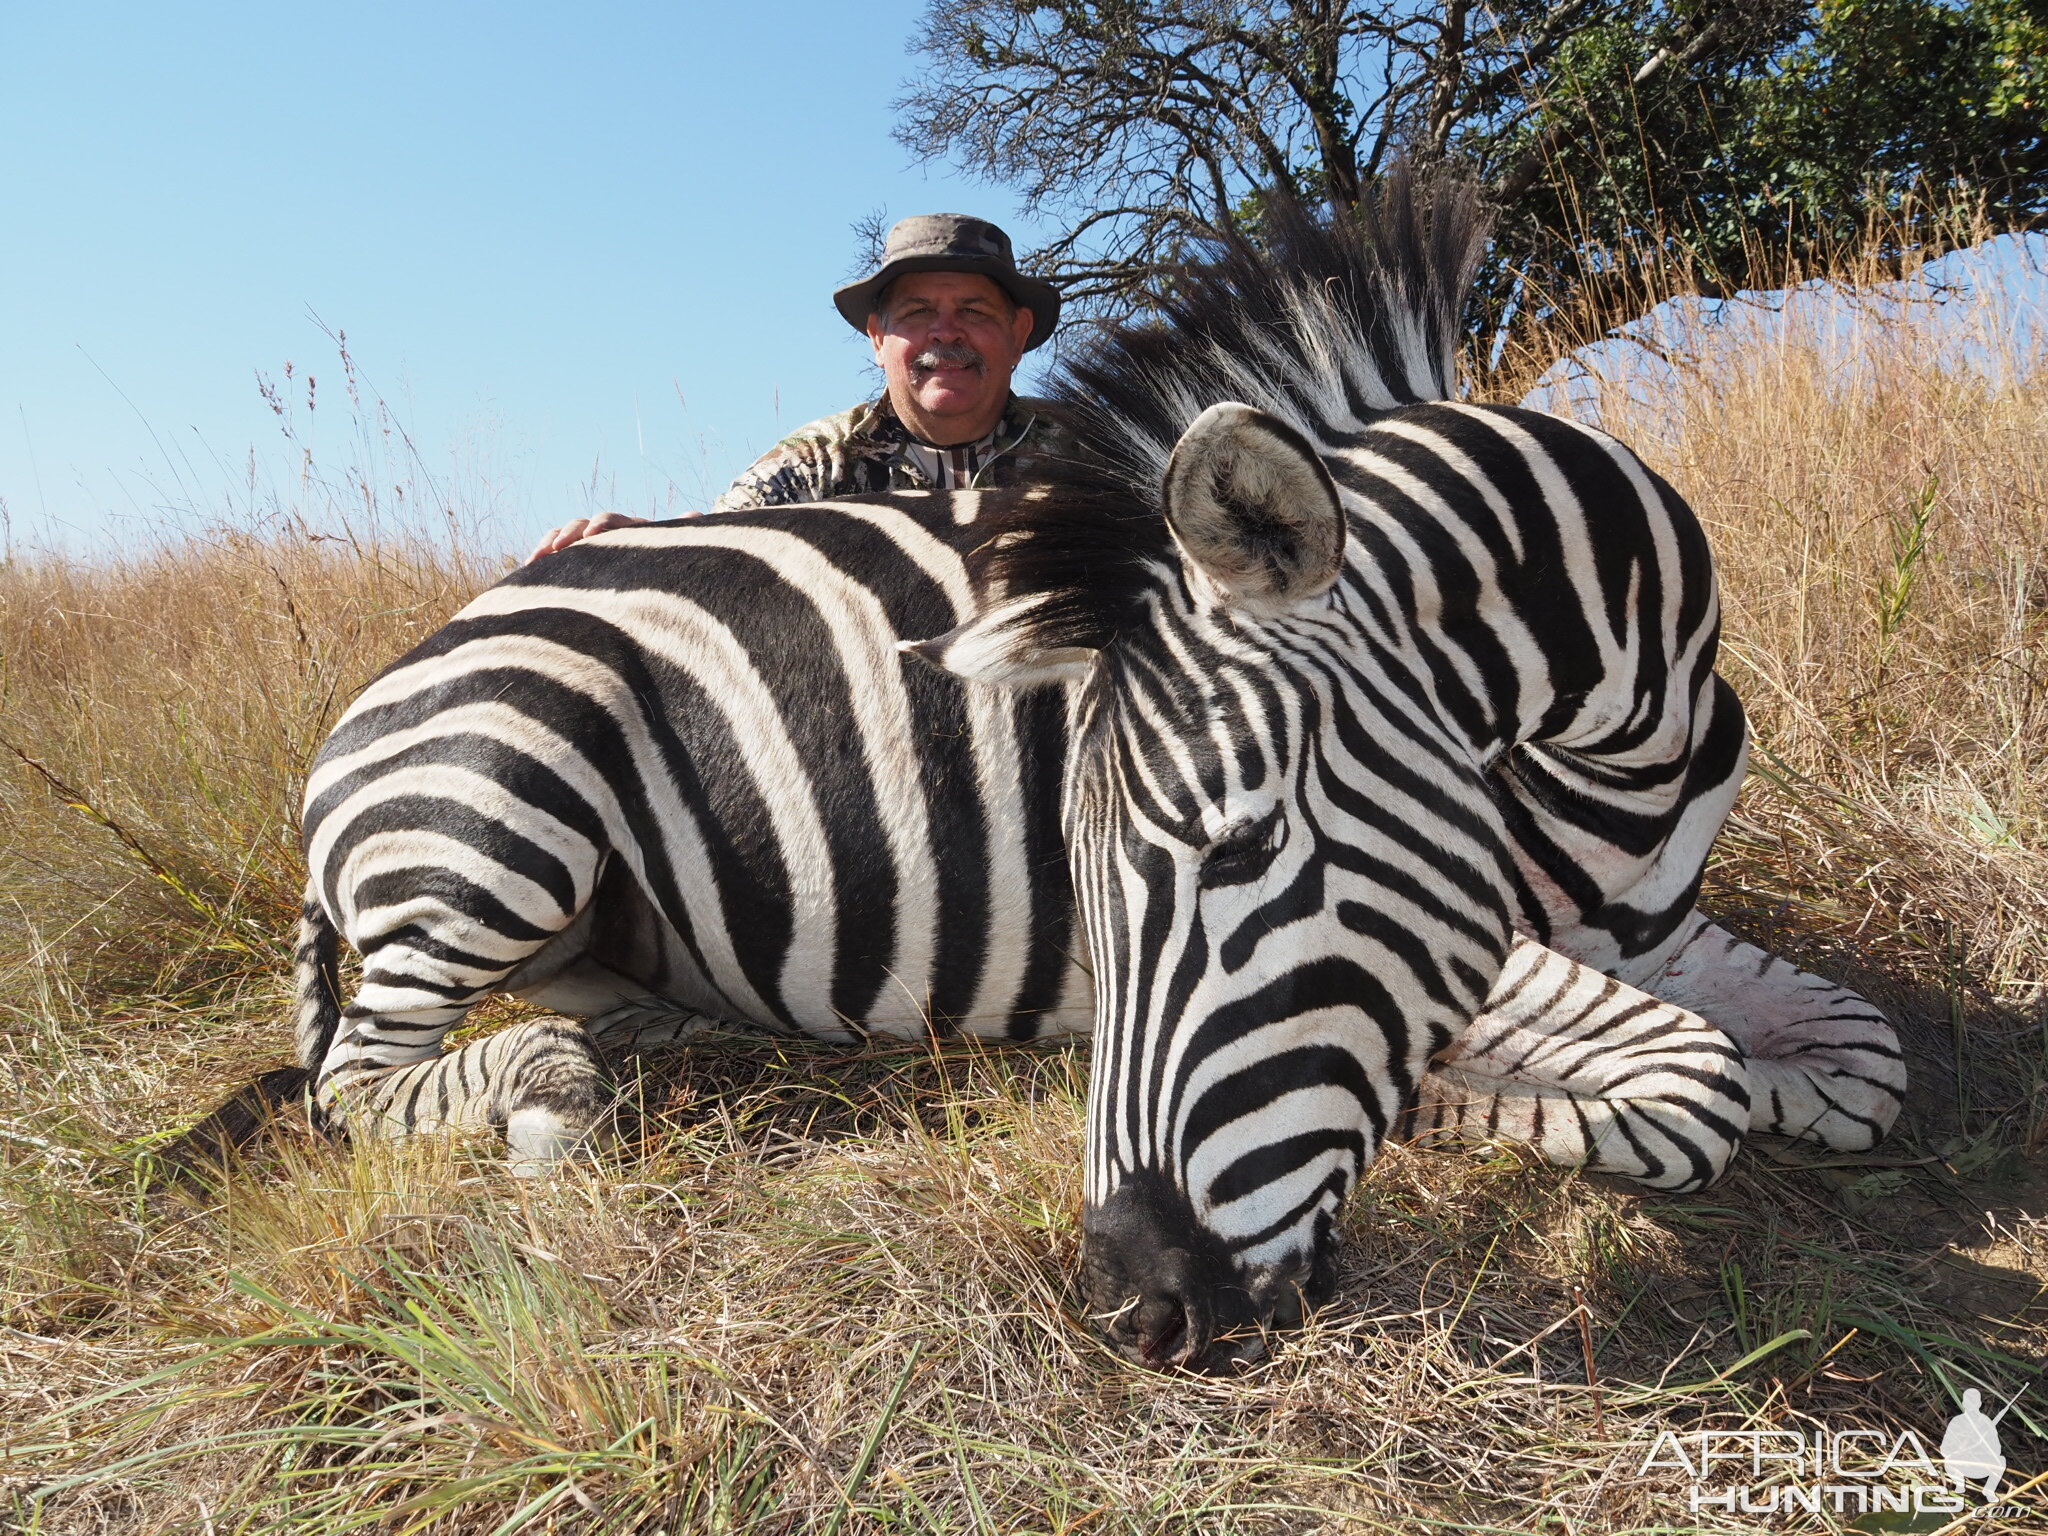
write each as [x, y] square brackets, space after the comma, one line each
[862, 451]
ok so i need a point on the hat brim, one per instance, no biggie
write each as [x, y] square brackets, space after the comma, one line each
[856, 301]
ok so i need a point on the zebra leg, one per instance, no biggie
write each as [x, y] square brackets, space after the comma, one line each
[1824, 1063]
[547, 1084]
[378, 1067]
[645, 1024]
[1590, 1072]
[540, 1082]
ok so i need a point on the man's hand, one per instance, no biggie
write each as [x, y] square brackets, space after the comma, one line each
[583, 528]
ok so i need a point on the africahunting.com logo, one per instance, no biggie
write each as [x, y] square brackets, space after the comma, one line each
[1839, 1472]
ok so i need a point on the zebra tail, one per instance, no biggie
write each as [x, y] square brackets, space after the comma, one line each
[247, 1112]
[316, 983]
[204, 1151]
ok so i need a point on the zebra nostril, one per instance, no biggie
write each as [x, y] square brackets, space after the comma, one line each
[1176, 1323]
[1162, 1323]
[1287, 1308]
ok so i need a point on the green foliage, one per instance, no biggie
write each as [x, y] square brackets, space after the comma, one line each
[1635, 149]
[1798, 132]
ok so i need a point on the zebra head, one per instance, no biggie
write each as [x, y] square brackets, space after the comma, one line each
[1253, 1043]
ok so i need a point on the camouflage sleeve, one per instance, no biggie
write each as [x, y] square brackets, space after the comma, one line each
[792, 471]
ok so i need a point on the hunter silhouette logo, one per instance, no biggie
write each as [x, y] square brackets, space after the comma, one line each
[1969, 1448]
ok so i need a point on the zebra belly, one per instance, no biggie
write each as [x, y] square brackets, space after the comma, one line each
[639, 954]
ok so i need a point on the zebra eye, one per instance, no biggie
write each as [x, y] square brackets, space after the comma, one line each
[1244, 851]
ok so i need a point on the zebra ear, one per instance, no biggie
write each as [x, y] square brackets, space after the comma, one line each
[1253, 509]
[1008, 644]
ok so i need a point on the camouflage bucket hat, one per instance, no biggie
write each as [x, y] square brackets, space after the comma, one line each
[952, 242]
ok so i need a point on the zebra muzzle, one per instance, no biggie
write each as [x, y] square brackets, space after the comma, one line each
[1166, 1293]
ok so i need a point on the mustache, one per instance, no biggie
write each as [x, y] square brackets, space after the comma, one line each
[948, 355]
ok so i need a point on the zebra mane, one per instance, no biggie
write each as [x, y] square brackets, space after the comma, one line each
[1325, 324]
[1080, 556]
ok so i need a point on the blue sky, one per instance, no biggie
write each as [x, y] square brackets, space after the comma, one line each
[585, 253]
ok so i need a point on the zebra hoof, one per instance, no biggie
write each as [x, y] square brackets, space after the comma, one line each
[540, 1139]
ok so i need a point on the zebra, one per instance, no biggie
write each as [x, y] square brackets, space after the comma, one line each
[1344, 756]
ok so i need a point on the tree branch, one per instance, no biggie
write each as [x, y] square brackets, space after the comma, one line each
[1522, 176]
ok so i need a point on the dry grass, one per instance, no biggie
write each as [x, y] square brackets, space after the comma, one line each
[832, 1291]
[1875, 480]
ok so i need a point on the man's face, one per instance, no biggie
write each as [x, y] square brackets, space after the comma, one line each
[948, 342]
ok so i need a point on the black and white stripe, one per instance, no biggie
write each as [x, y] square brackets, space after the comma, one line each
[691, 762]
[1335, 720]
[1394, 681]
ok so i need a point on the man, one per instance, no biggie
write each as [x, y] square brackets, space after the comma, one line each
[949, 316]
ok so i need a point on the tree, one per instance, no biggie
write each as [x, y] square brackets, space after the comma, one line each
[1633, 149]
